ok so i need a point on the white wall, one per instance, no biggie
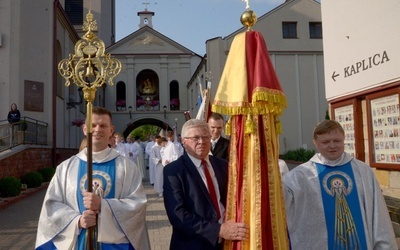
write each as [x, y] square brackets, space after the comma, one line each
[361, 45]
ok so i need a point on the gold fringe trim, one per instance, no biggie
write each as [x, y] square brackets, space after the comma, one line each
[278, 126]
[228, 128]
[249, 127]
[264, 101]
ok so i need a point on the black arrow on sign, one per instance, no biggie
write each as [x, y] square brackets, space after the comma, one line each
[334, 75]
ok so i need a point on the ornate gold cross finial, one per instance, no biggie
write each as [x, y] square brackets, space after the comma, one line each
[90, 24]
[247, 4]
[89, 66]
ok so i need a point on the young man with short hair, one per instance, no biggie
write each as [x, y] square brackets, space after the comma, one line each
[116, 207]
[334, 201]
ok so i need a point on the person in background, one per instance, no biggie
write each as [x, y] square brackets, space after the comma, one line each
[164, 143]
[14, 115]
[120, 146]
[116, 208]
[172, 150]
[195, 192]
[140, 156]
[133, 152]
[219, 144]
[334, 201]
[155, 158]
[148, 151]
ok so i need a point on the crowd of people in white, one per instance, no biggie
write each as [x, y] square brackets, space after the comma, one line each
[153, 154]
[158, 151]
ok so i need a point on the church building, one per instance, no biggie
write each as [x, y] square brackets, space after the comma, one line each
[152, 86]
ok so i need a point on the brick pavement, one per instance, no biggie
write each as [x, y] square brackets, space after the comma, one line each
[18, 222]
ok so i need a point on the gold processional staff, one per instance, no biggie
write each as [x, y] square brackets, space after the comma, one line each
[89, 68]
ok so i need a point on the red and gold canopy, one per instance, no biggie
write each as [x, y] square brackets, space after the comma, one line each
[249, 91]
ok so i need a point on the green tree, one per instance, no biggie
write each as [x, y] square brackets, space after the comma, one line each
[144, 131]
[327, 117]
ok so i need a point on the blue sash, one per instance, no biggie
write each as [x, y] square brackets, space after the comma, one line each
[342, 207]
[103, 184]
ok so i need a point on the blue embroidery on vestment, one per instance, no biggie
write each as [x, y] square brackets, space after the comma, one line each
[341, 207]
[103, 179]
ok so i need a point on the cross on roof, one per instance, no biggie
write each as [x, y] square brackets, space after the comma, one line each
[145, 4]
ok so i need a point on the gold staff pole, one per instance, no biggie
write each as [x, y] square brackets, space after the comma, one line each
[89, 69]
[209, 78]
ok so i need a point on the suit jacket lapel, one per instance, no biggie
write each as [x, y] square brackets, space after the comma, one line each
[217, 147]
[220, 146]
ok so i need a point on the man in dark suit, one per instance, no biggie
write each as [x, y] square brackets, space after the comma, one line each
[219, 144]
[195, 190]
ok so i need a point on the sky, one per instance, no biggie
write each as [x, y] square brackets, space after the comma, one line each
[188, 22]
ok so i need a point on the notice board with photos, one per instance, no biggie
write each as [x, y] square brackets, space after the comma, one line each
[383, 128]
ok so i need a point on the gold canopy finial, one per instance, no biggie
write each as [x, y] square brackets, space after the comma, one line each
[248, 17]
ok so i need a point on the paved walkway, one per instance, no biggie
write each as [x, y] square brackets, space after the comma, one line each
[18, 222]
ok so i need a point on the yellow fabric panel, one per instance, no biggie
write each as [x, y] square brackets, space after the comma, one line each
[234, 74]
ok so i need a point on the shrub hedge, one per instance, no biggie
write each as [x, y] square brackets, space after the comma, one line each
[10, 186]
[299, 154]
[47, 173]
[32, 179]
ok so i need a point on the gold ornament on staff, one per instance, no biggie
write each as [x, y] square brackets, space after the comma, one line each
[249, 17]
[89, 68]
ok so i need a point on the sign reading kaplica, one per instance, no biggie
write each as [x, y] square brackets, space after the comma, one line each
[361, 47]
[366, 64]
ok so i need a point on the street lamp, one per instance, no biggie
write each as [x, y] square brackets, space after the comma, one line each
[165, 111]
[130, 112]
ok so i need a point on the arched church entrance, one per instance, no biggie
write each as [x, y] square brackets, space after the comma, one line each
[146, 121]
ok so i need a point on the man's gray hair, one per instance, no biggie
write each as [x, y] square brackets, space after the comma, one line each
[194, 123]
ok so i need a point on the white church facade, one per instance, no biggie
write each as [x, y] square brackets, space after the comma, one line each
[152, 84]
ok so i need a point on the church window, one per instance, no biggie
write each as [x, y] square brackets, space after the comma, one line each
[174, 95]
[120, 102]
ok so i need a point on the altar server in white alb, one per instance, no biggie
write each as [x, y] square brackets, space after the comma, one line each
[334, 201]
[172, 151]
[118, 198]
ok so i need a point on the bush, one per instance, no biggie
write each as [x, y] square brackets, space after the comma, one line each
[299, 154]
[32, 179]
[10, 186]
[47, 173]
